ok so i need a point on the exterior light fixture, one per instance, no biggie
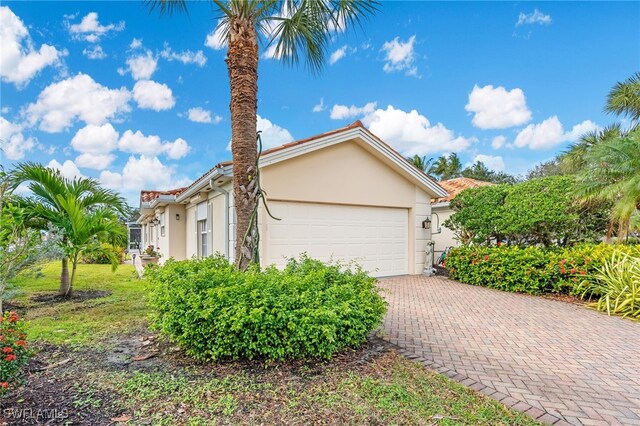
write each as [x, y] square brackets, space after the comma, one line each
[426, 224]
[177, 216]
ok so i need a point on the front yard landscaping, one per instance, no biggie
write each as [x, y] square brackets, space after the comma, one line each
[97, 363]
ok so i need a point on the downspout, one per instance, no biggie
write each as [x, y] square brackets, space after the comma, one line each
[215, 187]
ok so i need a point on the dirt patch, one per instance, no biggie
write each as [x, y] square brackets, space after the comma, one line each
[77, 296]
[567, 298]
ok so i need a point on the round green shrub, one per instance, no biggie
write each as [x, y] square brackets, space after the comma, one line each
[309, 309]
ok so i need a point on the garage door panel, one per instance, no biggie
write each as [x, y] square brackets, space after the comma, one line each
[375, 237]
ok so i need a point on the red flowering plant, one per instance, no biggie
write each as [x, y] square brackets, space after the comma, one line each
[14, 351]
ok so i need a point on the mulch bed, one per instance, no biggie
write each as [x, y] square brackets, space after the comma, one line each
[76, 296]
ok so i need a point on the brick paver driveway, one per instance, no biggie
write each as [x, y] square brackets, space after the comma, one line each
[559, 362]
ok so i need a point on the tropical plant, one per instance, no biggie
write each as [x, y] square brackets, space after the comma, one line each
[293, 29]
[421, 163]
[14, 351]
[624, 98]
[447, 167]
[612, 173]
[618, 284]
[83, 213]
[18, 242]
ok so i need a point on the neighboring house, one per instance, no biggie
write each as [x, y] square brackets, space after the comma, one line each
[440, 207]
[343, 195]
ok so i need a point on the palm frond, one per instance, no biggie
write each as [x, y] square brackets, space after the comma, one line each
[167, 7]
[624, 98]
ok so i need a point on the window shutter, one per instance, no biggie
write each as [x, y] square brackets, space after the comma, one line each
[195, 230]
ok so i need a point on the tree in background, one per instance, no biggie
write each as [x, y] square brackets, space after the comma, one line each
[447, 167]
[296, 29]
[480, 171]
[421, 163]
[82, 212]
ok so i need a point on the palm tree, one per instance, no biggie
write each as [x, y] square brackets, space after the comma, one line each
[612, 173]
[447, 167]
[421, 163]
[297, 28]
[624, 98]
[83, 212]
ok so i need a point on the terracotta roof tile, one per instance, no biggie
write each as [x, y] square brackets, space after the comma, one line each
[148, 195]
[457, 185]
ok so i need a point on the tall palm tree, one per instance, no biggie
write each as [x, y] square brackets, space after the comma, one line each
[80, 209]
[447, 167]
[421, 163]
[297, 28]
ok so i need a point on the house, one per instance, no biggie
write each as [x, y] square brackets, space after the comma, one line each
[343, 195]
[444, 237]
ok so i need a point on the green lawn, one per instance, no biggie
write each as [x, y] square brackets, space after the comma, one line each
[92, 338]
[88, 321]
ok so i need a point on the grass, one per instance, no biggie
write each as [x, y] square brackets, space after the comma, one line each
[172, 390]
[85, 322]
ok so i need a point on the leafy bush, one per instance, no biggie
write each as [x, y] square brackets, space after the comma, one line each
[617, 282]
[104, 255]
[509, 268]
[533, 270]
[309, 309]
[14, 352]
[536, 212]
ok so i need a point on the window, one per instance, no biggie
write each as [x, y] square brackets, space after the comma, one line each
[202, 235]
[162, 224]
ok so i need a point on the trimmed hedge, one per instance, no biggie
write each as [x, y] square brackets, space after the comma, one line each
[309, 309]
[532, 270]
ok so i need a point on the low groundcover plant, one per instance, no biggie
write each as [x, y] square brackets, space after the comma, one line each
[14, 351]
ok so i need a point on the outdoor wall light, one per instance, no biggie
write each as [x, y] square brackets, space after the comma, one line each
[177, 216]
[155, 222]
[426, 224]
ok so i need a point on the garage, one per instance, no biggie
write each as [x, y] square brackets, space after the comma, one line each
[374, 237]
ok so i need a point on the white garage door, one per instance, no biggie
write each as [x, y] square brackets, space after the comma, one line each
[375, 237]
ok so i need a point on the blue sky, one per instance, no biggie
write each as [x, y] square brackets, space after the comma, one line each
[136, 100]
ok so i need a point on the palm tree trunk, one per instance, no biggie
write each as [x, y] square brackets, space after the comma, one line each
[73, 275]
[242, 64]
[64, 277]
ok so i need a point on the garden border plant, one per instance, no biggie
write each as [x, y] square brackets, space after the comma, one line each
[307, 310]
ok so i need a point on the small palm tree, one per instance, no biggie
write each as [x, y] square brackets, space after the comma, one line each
[84, 213]
[447, 167]
[297, 28]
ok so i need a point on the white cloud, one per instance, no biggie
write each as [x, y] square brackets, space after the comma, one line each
[272, 134]
[20, 60]
[136, 43]
[550, 133]
[78, 97]
[498, 142]
[95, 161]
[68, 169]
[497, 108]
[338, 54]
[14, 145]
[400, 56]
[186, 57]
[177, 149]
[90, 29]
[535, 17]
[341, 112]
[412, 133]
[199, 115]
[494, 162]
[141, 66]
[320, 107]
[152, 145]
[94, 139]
[94, 52]
[215, 39]
[151, 95]
[144, 172]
